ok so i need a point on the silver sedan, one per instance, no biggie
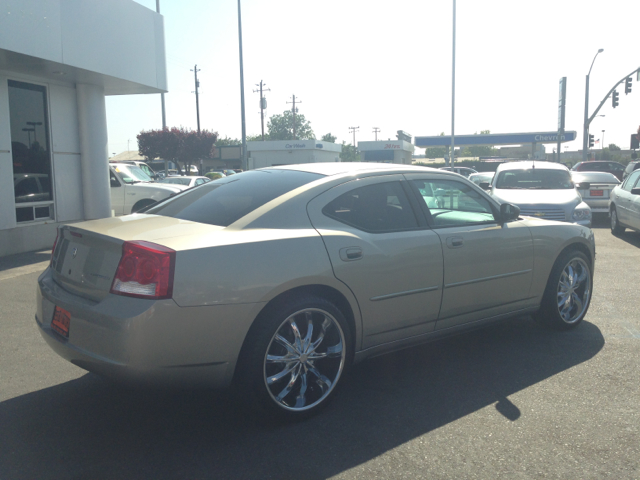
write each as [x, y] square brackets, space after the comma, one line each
[277, 280]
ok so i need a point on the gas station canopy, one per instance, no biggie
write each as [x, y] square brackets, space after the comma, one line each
[495, 139]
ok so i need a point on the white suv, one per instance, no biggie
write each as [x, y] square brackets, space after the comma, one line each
[132, 189]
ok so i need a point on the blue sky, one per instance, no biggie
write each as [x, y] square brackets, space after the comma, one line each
[388, 65]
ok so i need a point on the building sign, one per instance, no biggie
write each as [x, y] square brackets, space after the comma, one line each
[290, 146]
[496, 139]
[391, 146]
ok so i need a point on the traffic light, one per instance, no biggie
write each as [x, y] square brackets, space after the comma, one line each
[615, 98]
[590, 141]
[627, 85]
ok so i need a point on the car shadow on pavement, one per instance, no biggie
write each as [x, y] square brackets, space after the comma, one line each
[91, 428]
[601, 221]
[24, 259]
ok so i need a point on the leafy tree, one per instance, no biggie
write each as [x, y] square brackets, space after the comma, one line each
[480, 150]
[177, 144]
[435, 152]
[226, 142]
[327, 137]
[349, 153]
[613, 147]
[281, 127]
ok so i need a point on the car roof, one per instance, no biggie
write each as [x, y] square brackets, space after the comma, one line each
[530, 164]
[338, 168]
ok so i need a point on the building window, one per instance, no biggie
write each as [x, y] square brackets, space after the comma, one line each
[29, 122]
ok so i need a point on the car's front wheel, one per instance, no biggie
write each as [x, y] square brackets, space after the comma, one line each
[295, 356]
[568, 293]
[616, 228]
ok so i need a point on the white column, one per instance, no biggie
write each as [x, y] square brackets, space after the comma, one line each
[92, 120]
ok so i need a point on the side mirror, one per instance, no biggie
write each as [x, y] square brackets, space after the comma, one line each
[485, 185]
[635, 191]
[509, 212]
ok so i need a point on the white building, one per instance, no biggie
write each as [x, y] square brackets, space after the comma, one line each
[289, 152]
[58, 60]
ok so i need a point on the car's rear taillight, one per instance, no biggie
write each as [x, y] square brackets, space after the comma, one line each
[145, 271]
[55, 242]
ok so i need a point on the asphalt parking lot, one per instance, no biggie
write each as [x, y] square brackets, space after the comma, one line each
[510, 401]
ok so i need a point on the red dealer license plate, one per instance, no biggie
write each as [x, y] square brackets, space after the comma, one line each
[61, 321]
[596, 193]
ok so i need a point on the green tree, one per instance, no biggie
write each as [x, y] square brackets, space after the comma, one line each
[613, 147]
[327, 137]
[177, 144]
[281, 127]
[349, 153]
[227, 142]
[481, 150]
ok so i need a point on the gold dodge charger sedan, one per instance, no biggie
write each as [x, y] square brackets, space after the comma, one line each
[276, 280]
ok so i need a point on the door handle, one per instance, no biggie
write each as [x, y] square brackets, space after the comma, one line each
[349, 254]
[454, 242]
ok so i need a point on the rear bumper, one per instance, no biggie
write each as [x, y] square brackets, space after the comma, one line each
[146, 341]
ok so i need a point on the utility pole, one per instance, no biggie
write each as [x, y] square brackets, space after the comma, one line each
[354, 130]
[244, 126]
[376, 130]
[263, 104]
[195, 74]
[294, 110]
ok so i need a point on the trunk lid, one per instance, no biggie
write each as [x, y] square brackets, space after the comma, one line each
[87, 254]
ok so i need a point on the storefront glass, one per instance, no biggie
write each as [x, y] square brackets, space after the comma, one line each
[31, 151]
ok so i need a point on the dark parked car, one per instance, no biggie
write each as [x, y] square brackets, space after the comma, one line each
[614, 168]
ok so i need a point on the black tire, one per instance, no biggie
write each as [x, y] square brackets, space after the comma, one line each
[571, 280]
[142, 204]
[295, 375]
[616, 228]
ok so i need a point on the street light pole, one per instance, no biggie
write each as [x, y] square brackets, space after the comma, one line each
[585, 131]
[602, 144]
[244, 128]
[453, 91]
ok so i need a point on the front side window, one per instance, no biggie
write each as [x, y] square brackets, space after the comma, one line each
[30, 149]
[382, 207]
[132, 174]
[629, 184]
[534, 178]
[452, 203]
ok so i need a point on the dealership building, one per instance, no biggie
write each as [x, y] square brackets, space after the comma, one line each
[58, 61]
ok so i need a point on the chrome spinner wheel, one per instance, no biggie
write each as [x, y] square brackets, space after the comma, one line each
[574, 290]
[304, 359]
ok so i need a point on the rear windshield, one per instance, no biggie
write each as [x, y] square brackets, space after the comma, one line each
[535, 178]
[226, 200]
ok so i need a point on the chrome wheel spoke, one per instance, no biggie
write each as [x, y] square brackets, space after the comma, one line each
[280, 358]
[323, 382]
[279, 376]
[307, 339]
[284, 343]
[296, 335]
[286, 390]
[301, 399]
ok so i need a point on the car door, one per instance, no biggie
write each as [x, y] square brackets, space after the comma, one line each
[624, 202]
[387, 256]
[488, 266]
[633, 206]
[117, 193]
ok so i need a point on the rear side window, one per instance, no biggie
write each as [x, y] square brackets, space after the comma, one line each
[382, 207]
[228, 199]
